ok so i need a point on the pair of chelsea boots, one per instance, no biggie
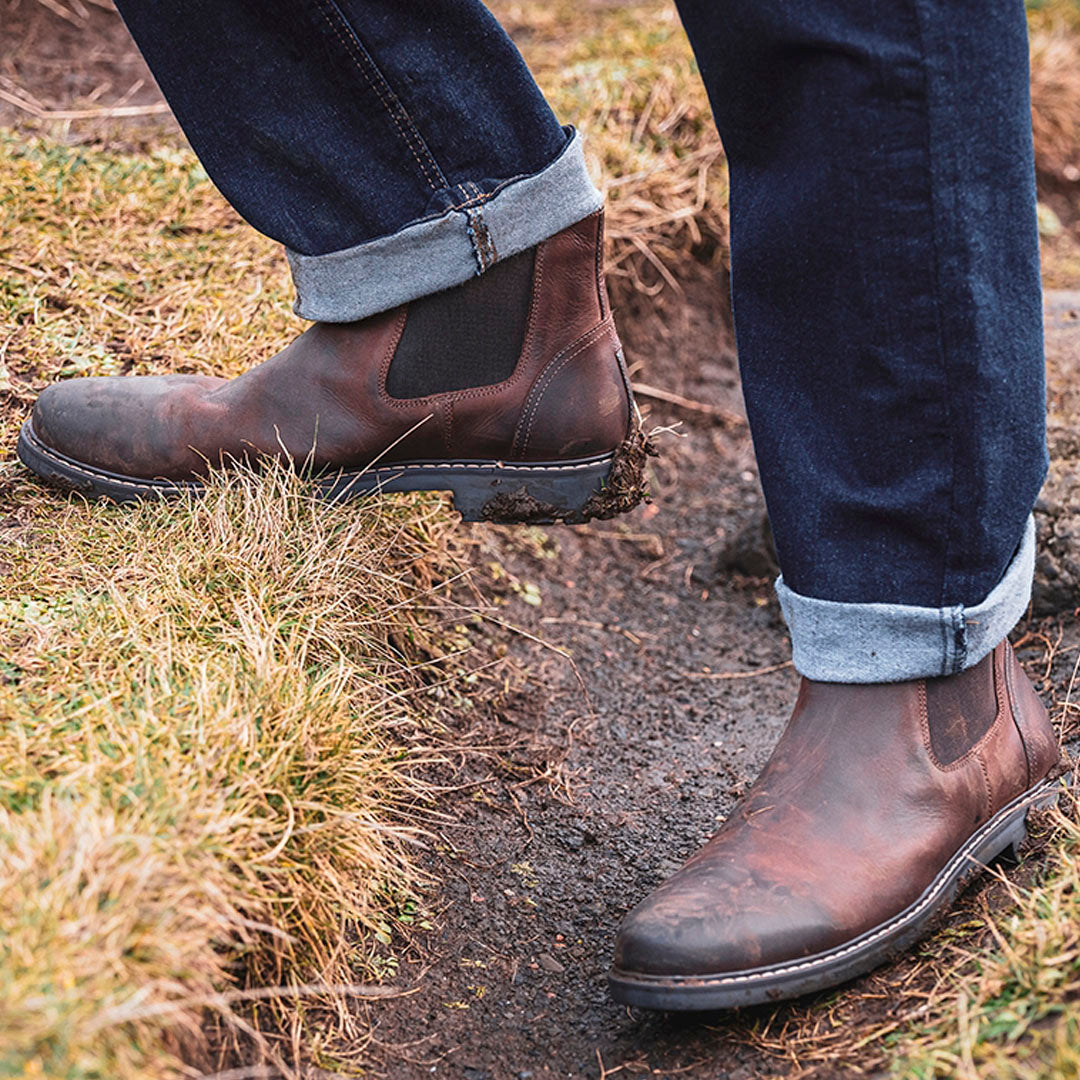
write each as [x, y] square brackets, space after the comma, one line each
[511, 392]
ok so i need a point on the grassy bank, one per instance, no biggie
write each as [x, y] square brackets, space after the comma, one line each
[209, 713]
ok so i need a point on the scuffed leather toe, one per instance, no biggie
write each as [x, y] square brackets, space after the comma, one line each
[694, 925]
[49, 417]
[120, 423]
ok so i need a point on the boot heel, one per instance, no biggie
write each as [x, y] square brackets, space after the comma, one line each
[512, 493]
[1018, 832]
[1011, 852]
[572, 492]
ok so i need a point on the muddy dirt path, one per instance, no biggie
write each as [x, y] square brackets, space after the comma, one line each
[645, 751]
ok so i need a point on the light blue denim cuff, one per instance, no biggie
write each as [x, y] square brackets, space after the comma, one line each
[437, 253]
[870, 643]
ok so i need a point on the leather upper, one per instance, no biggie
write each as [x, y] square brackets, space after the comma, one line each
[850, 821]
[325, 396]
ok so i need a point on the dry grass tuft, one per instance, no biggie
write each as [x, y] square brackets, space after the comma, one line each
[211, 713]
[1055, 100]
[625, 75]
[206, 761]
[1013, 1014]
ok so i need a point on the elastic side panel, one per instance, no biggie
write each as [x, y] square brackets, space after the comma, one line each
[467, 336]
[961, 709]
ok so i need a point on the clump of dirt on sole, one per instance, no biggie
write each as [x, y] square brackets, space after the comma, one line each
[625, 488]
[518, 508]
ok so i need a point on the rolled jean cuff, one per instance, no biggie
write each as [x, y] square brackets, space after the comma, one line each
[870, 643]
[437, 253]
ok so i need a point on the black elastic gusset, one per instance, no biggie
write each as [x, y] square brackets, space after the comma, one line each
[467, 336]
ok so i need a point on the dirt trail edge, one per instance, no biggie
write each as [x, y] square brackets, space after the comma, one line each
[618, 766]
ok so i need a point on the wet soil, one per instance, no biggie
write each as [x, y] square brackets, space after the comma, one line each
[1057, 514]
[612, 766]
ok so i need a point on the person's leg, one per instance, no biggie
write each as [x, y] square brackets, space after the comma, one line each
[394, 149]
[885, 282]
[442, 230]
[885, 278]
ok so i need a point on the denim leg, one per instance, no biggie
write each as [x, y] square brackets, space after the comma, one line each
[394, 148]
[885, 282]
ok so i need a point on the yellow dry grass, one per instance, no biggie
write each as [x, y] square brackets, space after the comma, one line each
[211, 712]
[1009, 1011]
[1055, 99]
[624, 74]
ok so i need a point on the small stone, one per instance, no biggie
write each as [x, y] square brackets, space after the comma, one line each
[549, 963]
[749, 552]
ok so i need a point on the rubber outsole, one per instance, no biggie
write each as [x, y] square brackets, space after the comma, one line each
[537, 493]
[780, 982]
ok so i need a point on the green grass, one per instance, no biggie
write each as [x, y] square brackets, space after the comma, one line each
[1011, 1009]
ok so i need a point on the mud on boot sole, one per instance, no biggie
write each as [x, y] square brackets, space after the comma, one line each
[496, 491]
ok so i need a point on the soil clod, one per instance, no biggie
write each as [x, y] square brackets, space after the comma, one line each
[627, 485]
[518, 508]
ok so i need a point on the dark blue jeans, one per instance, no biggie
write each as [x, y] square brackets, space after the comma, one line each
[885, 272]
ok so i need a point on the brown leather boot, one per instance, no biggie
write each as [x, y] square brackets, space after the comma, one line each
[877, 804]
[509, 391]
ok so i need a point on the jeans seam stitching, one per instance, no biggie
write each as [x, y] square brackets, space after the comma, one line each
[473, 198]
[959, 622]
[483, 245]
[474, 201]
[934, 216]
[377, 81]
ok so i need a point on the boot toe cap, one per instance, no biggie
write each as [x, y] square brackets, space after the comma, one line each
[120, 424]
[85, 421]
[52, 417]
[699, 932]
